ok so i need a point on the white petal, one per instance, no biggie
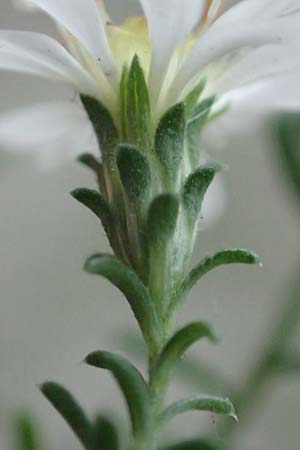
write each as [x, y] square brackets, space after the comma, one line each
[55, 131]
[260, 64]
[82, 19]
[250, 109]
[169, 22]
[249, 10]
[38, 54]
[279, 94]
[246, 25]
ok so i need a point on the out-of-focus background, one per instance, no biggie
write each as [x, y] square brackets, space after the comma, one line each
[52, 313]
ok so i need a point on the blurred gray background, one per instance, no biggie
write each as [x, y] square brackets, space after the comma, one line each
[52, 314]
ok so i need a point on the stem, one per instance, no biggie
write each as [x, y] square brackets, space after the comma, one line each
[157, 393]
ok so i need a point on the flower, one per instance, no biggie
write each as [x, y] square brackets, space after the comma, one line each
[244, 53]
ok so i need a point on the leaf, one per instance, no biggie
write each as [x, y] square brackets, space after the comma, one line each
[71, 411]
[195, 188]
[196, 444]
[94, 201]
[106, 436]
[104, 127]
[194, 128]
[215, 405]
[177, 346]
[169, 142]
[134, 172]
[288, 131]
[162, 218]
[230, 256]
[136, 105]
[132, 385]
[192, 98]
[123, 101]
[27, 438]
[202, 109]
[127, 281]
[89, 160]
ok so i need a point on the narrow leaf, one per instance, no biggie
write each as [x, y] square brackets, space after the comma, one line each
[196, 444]
[71, 411]
[162, 218]
[89, 160]
[124, 100]
[195, 188]
[215, 405]
[177, 346]
[106, 435]
[104, 126]
[93, 200]
[202, 109]
[27, 438]
[137, 105]
[127, 281]
[132, 385]
[192, 98]
[194, 128]
[231, 256]
[134, 172]
[169, 141]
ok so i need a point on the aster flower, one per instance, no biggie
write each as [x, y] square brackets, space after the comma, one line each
[244, 53]
[145, 91]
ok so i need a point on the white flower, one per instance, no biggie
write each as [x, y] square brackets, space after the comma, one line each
[249, 55]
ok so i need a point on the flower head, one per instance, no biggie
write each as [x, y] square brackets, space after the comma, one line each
[240, 51]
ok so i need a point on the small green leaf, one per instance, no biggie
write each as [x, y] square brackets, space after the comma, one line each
[215, 405]
[192, 98]
[195, 188]
[135, 105]
[196, 444]
[132, 384]
[169, 142]
[134, 172]
[104, 127]
[202, 109]
[93, 200]
[123, 100]
[27, 438]
[194, 127]
[230, 256]
[162, 218]
[71, 411]
[106, 435]
[127, 281]
[177, 346]
[89, 160]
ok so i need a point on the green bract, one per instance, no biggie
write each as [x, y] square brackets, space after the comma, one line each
[149, 200]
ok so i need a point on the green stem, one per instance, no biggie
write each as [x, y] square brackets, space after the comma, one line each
[157, 393]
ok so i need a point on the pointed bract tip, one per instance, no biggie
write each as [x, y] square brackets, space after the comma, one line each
[235, 417]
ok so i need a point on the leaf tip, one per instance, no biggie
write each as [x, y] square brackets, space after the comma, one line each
[91, 264]
[234, 417]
